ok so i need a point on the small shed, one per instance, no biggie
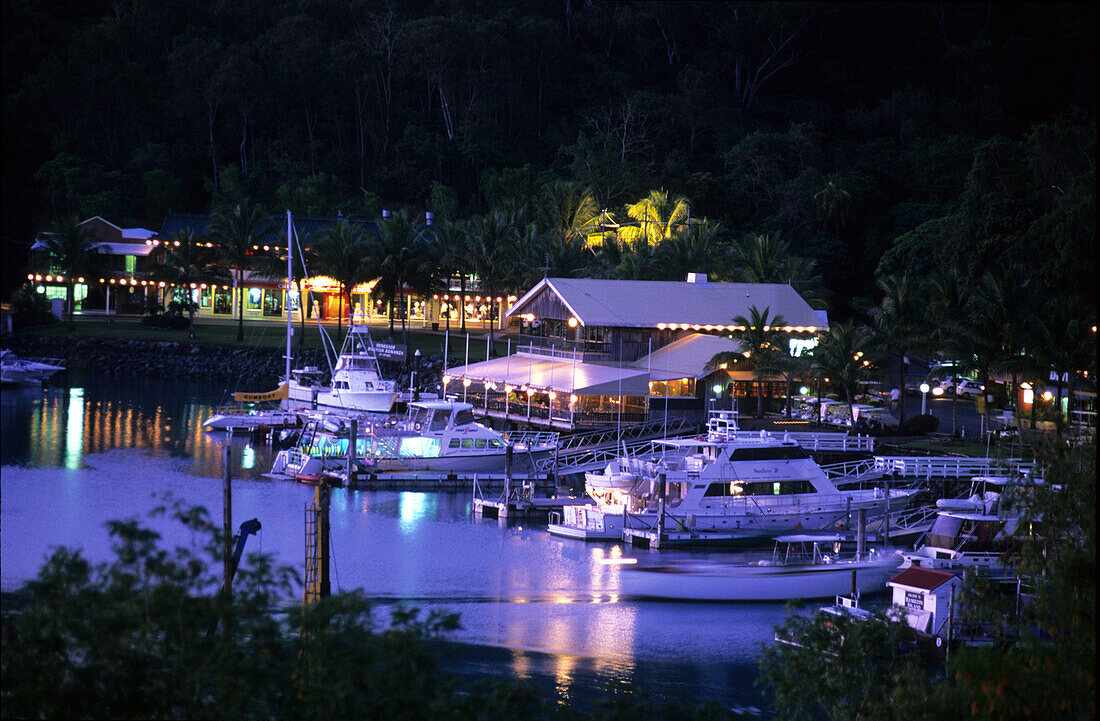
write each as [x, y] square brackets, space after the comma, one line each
[923, 597]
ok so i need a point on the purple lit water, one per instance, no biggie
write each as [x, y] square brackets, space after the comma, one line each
[90, 450]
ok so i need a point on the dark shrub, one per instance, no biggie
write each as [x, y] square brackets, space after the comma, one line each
[920, 425]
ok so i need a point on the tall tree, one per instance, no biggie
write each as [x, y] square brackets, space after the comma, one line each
[657, 216]
[899, 323]
[846, 354]
[393, 251]
[73, 250]
[489, 254]
[763, 343]
[186, 261]
[950, 298]
[237, 233]
[341, 252]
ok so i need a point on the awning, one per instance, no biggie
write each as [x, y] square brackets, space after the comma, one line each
[559, 375]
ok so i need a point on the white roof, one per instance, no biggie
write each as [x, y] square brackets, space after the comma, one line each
[646, 303]
[685, 357]
[563, 376]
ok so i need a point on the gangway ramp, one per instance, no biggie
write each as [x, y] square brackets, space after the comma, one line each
[928, 467]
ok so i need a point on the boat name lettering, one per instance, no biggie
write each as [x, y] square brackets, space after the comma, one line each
[390, 351]
[765, 471]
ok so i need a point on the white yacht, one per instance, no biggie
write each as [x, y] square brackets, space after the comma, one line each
[357, 382]
[735, 483]
[970, 533]
[434, 436]
[25, 371]
[801, 566]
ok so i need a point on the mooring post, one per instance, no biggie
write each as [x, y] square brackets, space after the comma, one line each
[351, 448]
[509, 453]
[227, 535]
[322, 540]
[861, 533]
[660, 508]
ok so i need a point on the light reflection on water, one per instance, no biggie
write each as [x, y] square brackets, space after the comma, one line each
[74, 458]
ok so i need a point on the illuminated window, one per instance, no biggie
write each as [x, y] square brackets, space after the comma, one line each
[253, 299]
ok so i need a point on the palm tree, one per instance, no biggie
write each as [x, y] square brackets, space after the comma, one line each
[186, 261]
[688, 250]
[392, 252]
[1006, 294]
[448, 238]
[898, 322]
[948, 317]
[658, 218]
[1066, 333]
[847, 355]
[273, 267]
[569, 213]
[490, 252]
[340, 252]
[237, 233]
[765, 343]
[73, 250]
[766, 258]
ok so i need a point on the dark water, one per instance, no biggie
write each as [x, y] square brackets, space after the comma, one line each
[92, 449]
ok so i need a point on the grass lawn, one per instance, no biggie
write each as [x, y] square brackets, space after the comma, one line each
[271, 336]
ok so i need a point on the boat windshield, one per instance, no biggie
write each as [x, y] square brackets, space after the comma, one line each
[464, 417]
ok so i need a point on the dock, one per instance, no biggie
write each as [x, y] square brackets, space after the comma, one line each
[519, 499]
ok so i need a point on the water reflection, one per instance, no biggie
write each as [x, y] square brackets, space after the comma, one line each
[75, 458]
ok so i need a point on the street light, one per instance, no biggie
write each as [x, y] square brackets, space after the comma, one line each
[923, 398]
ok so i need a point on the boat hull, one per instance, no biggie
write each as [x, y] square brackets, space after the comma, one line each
[309, 397]
[758, 582]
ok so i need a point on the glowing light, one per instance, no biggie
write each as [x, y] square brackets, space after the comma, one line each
[937, 391]
[446, 380]
[660, 326]
[1029, 396]
[465, 382]
[803, 391]
[924, 387]
[717, 388]
[572, 322]
[572, 398]
[1047, 395]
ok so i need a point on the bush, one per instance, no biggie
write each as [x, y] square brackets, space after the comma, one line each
[920, 425]
[29, 308]
[166, 320]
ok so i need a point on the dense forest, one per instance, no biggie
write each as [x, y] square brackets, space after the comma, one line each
[871, 138]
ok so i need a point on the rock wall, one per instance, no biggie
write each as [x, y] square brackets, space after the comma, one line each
[243, 368]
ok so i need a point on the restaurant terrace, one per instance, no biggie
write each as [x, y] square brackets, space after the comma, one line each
[596, 353]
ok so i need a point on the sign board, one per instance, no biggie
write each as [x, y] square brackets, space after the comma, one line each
[390, 351]
[914, 601]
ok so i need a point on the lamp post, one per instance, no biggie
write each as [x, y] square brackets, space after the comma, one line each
[923, 398]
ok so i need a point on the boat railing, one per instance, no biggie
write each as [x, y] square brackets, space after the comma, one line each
[531, 439]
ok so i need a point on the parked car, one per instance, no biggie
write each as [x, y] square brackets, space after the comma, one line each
[969, 389]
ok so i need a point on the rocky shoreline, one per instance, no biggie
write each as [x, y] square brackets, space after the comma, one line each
[244, 368]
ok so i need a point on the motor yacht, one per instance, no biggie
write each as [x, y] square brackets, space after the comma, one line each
[433, 436]
[737, 483]
[357, 382]
[26, 371]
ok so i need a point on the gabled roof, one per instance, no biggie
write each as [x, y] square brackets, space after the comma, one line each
[924, 579]
[685, 357]
[647, 303]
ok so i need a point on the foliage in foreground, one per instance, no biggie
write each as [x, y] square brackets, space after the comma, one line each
[144, 636]
[1044, 668]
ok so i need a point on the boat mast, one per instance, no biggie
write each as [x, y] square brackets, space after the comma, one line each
[289, 280]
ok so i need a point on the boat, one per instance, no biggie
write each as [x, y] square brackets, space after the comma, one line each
[433, 436]
[27, 371]
[734, 485]
[801, 566]
[357, 382]
[251, 411]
